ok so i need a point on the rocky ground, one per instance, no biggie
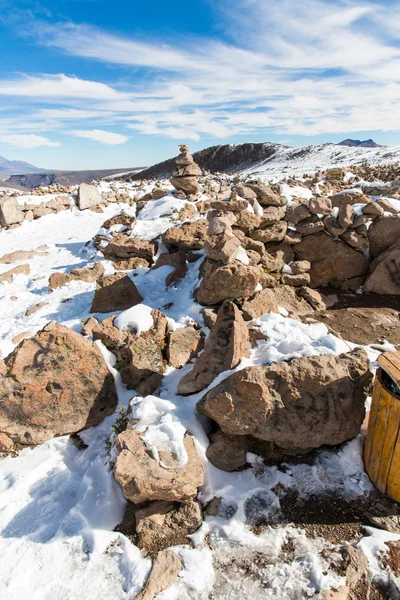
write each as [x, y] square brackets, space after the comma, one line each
[184, 376]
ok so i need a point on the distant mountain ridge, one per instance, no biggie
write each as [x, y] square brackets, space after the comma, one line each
[45, 178]
[275, 160]
[17, 167]
[360, 144]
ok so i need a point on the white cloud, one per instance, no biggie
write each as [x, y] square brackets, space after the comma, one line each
[28, 140]
[57, 86]
[98, 135]
[306, 68]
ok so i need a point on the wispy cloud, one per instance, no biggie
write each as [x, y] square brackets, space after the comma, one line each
[98, 135]
[28, 140]
[305, 68]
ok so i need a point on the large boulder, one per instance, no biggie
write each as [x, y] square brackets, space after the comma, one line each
[10, 211]
[303, 403]
[144, 477]
[88, 196]
[226, 282]
[385, 272]
[382, 234]
[226, 345]
[54, 383]
[115, 292]
[332, 261]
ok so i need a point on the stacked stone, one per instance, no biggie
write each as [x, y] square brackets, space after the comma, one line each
[221, 244]
[184, 175]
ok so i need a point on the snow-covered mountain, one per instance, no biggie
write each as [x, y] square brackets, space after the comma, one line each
[270, 160]
[11, 167]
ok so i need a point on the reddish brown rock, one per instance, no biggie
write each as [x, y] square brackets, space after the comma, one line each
[177, 260]
[219, 222]
[21, 336]
[8, 276]
[125, 247]
[158, 193]
[345, 216]
[164, 573]
[384, 277]
[139, 357]
[183, 345]
[226, 282]
[190, 236]
[355, 240]
[35, 308]
[320, 206]
[383, 233]
[245, 192]
[121, 219]
[343, 199]
[21, 255]
[115, 292]
[289, 299]
[162, 524]
[306, 402]
[247, 221]
[227, 452]
[297, 212]
[331, 261]
[272, 233]
[333, 226]
[87, 274]
[143, 478]
[266, 196]
[300, 266]
[295, 280]
[262, 303]
[222, 247]
[271, 215]
[310, 226]
[226, 345]
[313, 298]
[56, 383]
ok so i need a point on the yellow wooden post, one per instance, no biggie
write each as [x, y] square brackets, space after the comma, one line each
[382, 446]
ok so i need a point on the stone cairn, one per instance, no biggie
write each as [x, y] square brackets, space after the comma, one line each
[184, 175]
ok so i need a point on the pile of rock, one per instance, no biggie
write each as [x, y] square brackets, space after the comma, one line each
[55, 188]
[184, 176]
[13, 213]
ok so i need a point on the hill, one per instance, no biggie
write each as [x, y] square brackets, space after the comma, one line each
[276, 160]
[358, 143]
[11, 167]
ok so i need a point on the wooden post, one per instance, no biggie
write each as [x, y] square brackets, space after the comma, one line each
[382, 446]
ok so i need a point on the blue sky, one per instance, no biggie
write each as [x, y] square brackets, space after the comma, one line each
[97, 84]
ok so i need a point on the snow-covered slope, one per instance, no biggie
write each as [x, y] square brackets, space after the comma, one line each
[274, 160]
[307, 159]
